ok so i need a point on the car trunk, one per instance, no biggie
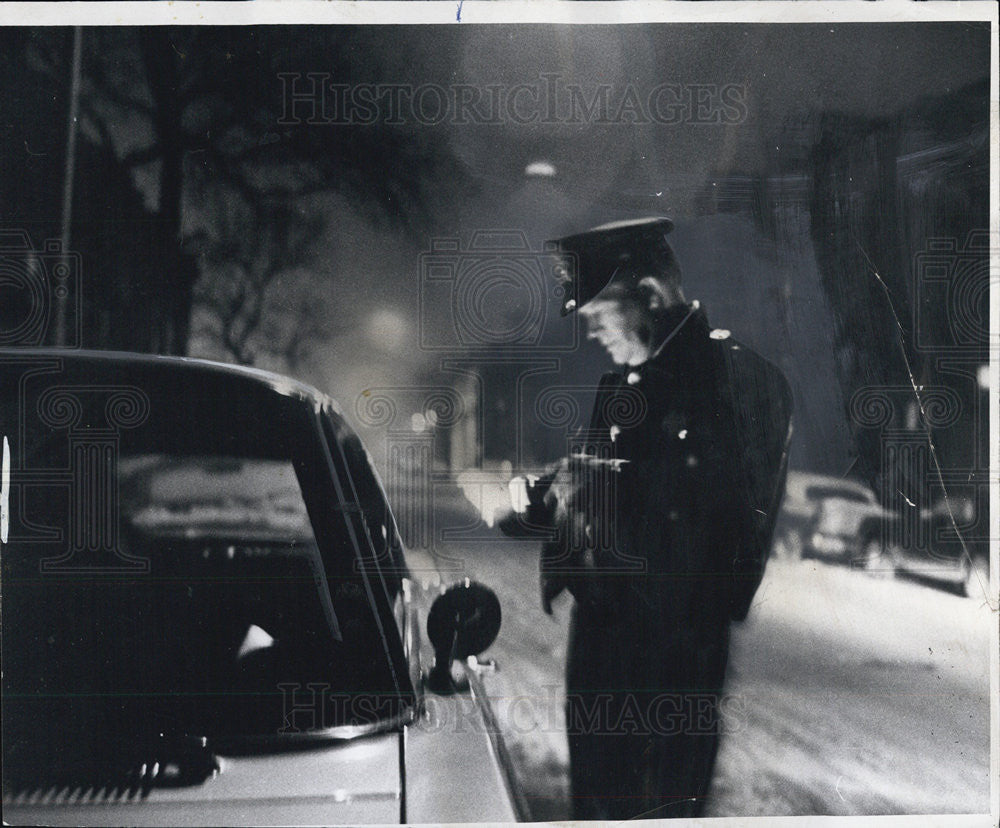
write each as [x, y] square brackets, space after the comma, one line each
[347, 783]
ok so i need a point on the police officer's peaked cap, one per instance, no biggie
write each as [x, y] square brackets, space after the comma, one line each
[591, 260]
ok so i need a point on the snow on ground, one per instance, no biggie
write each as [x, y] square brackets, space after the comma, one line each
[864, 696]
[851, 694]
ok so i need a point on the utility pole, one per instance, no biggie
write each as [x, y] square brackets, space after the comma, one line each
[67, 202]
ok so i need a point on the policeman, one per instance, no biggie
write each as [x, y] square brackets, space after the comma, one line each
[659, 522]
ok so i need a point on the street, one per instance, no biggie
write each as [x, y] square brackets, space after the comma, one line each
[847, 693]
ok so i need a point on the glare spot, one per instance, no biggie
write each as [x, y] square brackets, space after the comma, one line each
[984, 376]
[255, 639]
[418, 422]
[387, 330]
[720, 333]
[542, 169]
[682, 434]
[5, 492]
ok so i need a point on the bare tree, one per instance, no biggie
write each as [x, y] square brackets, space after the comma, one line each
[258, 297]
[185, 112]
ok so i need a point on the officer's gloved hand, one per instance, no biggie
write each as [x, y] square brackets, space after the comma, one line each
[530, 515]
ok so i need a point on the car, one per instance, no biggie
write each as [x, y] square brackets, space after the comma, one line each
[848, 524]
[811, 521]
[208, 616]
[947, 544]
[803, 490]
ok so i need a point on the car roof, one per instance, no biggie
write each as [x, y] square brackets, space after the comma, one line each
[802, 481]
[108, 360]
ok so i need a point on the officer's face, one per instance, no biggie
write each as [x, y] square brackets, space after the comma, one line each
[621, 326]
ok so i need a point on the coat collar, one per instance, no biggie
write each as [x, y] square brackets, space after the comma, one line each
[684, 324]
[681, 320]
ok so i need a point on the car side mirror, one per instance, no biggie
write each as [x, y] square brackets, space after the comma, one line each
[464, 621]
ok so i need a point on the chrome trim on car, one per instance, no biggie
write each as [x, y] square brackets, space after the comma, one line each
[337, 733]
[478, 692]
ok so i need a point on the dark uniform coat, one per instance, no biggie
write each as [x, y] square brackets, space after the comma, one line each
[663, 514]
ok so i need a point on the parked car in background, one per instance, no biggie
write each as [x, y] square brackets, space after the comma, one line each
[208, 617]
[842, 520]
[948, 544]
[828, 517]
[848, 525]
[797, 511]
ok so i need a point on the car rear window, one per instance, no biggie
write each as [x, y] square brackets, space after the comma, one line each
[219, 618]
[213, 495]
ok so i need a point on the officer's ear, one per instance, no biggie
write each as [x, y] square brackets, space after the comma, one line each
[654, 293]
